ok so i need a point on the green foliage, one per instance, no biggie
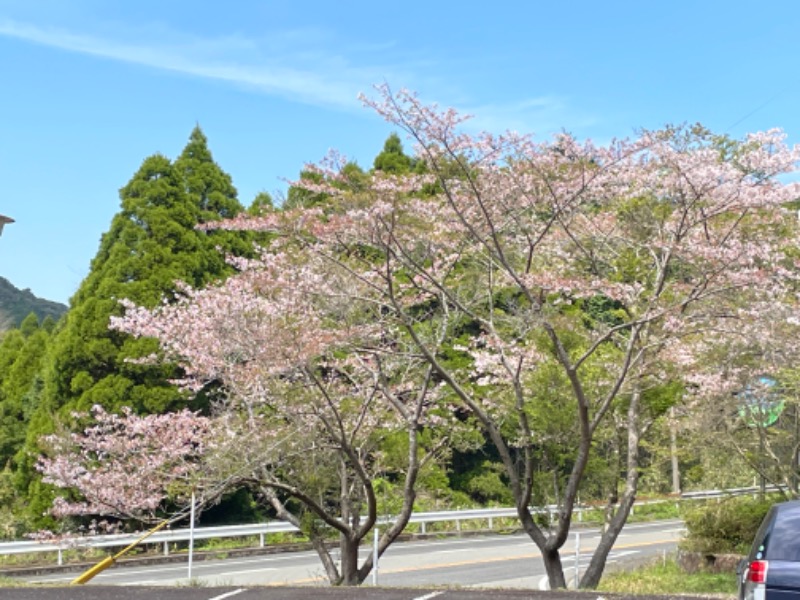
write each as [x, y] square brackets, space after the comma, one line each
[603, 310]
[234, 509]
[354, 178]
[666, 577]
[659, 398]
[209, 188]
[490, 485]
[392, 159]
[261, 203]
[12, 521]
[151, 245]
[20, 383]
[299, 197]
[728, 526]
[351, 179]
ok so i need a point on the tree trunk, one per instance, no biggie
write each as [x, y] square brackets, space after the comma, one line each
[317, 539]
[349, 561]
[613, 492]
[594, 572]
[554, 569]
[318, 543]
[548, 545]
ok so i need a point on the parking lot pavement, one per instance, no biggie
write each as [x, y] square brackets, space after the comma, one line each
[301, 593]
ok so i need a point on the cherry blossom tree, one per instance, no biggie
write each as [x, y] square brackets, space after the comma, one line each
[307, 392]
[125, 466]
[744, 381]
[556, 268]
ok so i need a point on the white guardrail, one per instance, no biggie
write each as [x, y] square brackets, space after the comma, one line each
[166, 537]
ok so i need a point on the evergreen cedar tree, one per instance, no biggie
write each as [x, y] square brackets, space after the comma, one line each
[152, 244]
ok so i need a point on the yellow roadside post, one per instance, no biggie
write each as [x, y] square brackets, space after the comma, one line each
[110, 560]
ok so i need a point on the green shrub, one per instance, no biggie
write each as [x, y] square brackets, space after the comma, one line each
[726, 526]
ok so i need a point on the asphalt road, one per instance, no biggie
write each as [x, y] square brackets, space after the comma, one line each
[493, 561]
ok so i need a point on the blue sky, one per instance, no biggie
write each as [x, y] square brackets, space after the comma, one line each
[90, 88]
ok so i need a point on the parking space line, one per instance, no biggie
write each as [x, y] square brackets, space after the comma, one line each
[227, 594]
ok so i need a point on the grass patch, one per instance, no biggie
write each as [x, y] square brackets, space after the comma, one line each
[654, 512]
[667, 578]
[8, 582]
[50, 557]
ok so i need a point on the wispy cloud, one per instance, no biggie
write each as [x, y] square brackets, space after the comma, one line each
[310, 65]
[540, 115]
[305, 74]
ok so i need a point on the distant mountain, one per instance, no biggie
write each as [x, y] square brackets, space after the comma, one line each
[16, 304]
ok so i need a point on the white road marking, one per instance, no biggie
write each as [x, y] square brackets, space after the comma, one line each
[426, 596]
[227, 595]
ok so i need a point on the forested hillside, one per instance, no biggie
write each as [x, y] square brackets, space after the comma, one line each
[16, 304]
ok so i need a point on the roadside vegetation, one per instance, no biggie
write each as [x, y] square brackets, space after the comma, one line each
[9, 582]
[715, 529]
[666, 577]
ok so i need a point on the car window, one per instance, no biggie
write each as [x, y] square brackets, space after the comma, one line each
[783, 542]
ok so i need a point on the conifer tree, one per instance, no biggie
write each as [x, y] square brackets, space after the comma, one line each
[261, 203]
[22, 356]
[152, 244]
[392, 159]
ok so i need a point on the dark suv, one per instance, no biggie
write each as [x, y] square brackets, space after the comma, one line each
[772, 569]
